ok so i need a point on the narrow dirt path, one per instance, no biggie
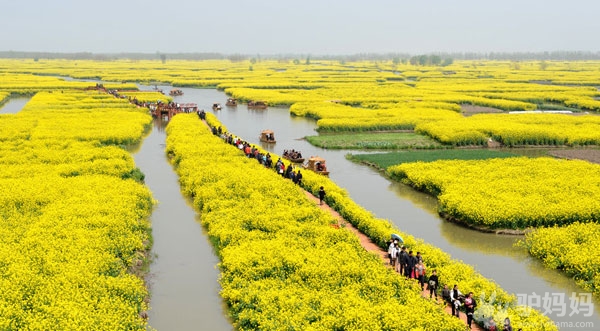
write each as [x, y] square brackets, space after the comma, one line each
[370, 246]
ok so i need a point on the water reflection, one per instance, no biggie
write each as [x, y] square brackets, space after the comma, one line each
[486, 243]
[420, 199]
[160, 124]
[457, 235]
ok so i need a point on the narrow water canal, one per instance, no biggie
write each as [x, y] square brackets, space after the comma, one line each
[183, 275]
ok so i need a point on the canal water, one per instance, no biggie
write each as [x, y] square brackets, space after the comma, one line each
[183, 274]
[14, 105]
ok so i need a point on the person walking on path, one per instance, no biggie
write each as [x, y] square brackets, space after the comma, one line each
[402, 258]
[446, 295]
[298, 178]
[321, 195]
[393, 253]
[455, 299]
[411, 262]
[432, 284]
[470, 305]
[420, 274]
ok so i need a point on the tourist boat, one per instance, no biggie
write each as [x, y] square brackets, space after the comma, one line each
[288, 155]
[175, 92]
[267, 136]
[257, 104]
[316, 164]
[216, 106]
[231, 102]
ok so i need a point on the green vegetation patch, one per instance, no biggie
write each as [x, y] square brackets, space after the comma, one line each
[385, 140]
[385, 160]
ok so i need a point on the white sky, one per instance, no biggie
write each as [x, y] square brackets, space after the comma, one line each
[319, 27]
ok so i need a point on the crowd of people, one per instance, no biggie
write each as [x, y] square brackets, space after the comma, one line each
[263, 158]
[412, 266]
[201, 114]
[152, 106]
[407, 264]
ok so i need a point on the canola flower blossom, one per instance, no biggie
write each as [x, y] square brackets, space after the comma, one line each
[572, 249]
[512, 193]
[73, 222]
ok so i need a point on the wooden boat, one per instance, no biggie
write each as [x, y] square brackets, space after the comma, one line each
[175, 92]
[288, 155]
[267, 136]
[257, 104]
[216, 106]
[231, 102]
[316, 164]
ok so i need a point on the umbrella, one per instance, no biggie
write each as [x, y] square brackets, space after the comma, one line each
[397, 237]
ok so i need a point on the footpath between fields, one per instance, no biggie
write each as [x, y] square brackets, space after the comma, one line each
[370, 246]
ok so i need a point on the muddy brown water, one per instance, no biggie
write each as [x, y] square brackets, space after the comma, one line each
[183, 275]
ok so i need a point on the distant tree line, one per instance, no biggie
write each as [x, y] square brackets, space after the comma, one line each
[430, 60]
[424, 59]
[113, 56]
[552, 56]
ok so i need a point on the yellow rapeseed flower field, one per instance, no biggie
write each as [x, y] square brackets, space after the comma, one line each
[404, 96]
[573, 249]
[512, 193]
[72, 222]
[66, 139]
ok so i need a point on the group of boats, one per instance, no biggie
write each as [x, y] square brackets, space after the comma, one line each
[314, 163]
[231, 102]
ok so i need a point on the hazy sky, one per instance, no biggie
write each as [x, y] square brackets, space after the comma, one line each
[299, 27]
